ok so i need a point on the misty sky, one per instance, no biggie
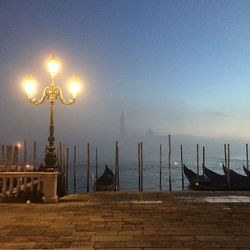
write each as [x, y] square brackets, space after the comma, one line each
[178, 67]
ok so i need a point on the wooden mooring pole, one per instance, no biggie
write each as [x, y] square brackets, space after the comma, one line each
[227, 161]
[225, 155]
[15, 155]
[60, 157]
[142, 166]
[169, 163]
[247, 156]
[74, 168]
[197, 154]
[34, 155]
[88, 165]
[203, 160]
[117, 170]
[139, 165]
[3, 155]
[182, 169]
[96, 164]
[160, 167]
[67, 170]
[25, 152]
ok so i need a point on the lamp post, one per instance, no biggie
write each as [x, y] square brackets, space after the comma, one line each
[52, 92]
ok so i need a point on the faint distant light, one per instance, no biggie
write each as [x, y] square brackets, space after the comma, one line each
[221, 164]
[19, 145]
[175, 163]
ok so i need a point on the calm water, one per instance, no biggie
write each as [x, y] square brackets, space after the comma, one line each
[129, 173]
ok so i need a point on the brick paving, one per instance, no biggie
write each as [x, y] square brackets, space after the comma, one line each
[123, 220]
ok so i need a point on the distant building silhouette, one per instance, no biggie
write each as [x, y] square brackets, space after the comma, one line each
[150, 132]
[122, 126]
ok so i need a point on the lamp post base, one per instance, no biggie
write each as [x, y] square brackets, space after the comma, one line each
[50, 160]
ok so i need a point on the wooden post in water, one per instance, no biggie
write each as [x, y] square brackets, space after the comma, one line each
[228, 157]
[74, 168]
[228, 164]
[197, 153]
[225, 155]
[58, 158]
[10, 155]
[64, 168]
[88, 165]
[25, 152]
[182, 169]
[67, 170]
[15, 156]
[64, 158]
[34, 155]
[117, 166]
[226, 148]
[7, 158]
[169, 163]
[139, 165]
[247, 156]
[142, 166]
[160, 167]
[203, 160]
[3, 155]
[96, 164]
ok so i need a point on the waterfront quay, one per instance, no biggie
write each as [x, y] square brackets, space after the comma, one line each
[130, 220]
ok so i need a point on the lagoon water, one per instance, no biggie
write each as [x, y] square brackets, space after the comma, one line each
[129, 172]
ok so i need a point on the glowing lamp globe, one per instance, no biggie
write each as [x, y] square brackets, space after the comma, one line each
[53, 66]
[74, 87]
[29, 86]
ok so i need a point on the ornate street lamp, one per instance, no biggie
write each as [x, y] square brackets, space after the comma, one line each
[51, 93]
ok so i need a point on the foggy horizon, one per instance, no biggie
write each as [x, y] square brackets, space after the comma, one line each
[176, 67]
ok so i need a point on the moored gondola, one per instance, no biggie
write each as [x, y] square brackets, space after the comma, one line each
[197, 182]
[106, 182]
[247, 171]
[218, 181]
[237, 181]
[213, 181]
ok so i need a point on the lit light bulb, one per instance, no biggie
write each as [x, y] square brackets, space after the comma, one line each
[74, 86]
[53, 66]
[30, 86]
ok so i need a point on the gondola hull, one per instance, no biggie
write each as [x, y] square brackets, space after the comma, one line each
[237, 181]
[197, 182]
[106, 182]
[212, 181]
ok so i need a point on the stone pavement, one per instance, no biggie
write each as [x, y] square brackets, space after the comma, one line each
[123, 220]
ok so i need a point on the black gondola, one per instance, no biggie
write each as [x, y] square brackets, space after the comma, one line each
[197, 182]
[212, 181]
[247, 171]
[237, 181]
[106, 182]
[218, 181]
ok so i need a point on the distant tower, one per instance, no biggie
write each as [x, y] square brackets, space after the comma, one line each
[122, 126]
[150, 132]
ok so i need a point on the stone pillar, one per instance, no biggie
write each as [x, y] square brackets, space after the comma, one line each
[50, 186]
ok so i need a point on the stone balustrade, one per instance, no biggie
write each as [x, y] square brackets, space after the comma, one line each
[17, 184]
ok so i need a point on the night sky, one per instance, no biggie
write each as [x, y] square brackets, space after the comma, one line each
[178, 67]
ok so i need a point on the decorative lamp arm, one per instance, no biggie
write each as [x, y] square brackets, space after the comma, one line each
[58, 92]
[42, 99]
